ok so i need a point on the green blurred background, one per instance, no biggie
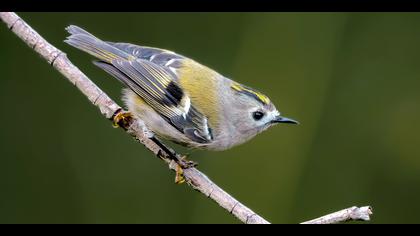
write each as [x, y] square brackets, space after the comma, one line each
[351, 79]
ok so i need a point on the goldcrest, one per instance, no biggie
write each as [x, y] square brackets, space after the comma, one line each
[179, 99]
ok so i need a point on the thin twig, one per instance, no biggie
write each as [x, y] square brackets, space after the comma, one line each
[351, 213]
[135, 127]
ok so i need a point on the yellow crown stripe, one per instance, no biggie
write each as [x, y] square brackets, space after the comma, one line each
[240, 88]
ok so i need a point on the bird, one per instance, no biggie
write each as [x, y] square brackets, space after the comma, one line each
[179, 99]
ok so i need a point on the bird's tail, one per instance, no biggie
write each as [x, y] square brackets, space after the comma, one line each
[85, 41]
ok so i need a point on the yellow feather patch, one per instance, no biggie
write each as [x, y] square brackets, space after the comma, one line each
[199, 82]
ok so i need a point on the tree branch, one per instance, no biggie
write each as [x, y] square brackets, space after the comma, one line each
[135, 127]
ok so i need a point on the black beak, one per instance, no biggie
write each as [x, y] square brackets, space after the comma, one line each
[280, 119]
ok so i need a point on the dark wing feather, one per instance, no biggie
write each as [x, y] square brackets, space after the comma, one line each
[158, 87]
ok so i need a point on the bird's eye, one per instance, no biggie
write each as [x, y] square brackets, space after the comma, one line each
[257, 115]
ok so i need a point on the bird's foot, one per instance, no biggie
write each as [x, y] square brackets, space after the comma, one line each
[183, 163]
[122, 119]
[179, 174]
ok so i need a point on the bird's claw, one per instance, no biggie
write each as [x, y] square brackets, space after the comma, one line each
[183, 163]
[179, 175]
[122, 119]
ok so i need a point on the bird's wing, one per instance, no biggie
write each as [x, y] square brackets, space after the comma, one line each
[152, 74]
[157, 85]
